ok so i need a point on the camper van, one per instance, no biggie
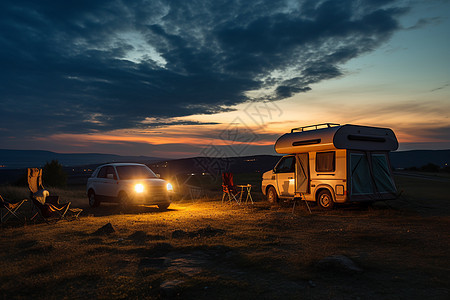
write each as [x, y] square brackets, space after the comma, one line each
[331, 163]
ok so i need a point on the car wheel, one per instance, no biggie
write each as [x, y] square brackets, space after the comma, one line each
[272, 196]
[124, 200]
[93, 200]
[324, 199]
[163, 206]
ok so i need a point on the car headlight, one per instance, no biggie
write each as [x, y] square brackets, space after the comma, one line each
[139, 188]
[169, 187]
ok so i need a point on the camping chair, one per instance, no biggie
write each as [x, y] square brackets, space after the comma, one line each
[8, 209]
[46, 205]
[229, 189]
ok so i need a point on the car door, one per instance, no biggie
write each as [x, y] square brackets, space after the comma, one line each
[106, 183]
[284, 172]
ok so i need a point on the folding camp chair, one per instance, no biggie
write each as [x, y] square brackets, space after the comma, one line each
[8, 209]
[229, 189]
[47, 210]
[46, 206]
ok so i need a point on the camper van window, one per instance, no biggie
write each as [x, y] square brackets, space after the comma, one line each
[286, 165]
[325, 161]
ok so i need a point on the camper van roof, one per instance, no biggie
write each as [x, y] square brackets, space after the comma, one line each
[329, 136]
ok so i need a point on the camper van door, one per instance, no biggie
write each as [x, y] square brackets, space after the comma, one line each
[360, 176]
[302, 173]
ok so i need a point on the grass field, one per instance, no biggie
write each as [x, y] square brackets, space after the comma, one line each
[201, 249]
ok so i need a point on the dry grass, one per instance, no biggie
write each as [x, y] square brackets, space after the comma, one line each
[210, 251]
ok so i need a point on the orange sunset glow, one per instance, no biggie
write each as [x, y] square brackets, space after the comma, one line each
[134, 91]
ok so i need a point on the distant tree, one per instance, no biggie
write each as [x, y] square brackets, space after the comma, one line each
[430, 168]
[53, 174]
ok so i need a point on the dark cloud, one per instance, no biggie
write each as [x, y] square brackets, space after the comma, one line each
[165, 122]
[425, 22]
[83, 66]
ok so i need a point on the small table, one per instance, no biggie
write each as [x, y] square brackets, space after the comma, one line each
[245, 188]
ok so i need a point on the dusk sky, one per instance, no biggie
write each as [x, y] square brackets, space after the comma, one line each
[219, 78]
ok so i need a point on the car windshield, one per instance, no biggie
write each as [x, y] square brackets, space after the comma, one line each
[134, 172]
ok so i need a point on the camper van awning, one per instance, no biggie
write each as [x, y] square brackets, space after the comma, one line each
[347, 136]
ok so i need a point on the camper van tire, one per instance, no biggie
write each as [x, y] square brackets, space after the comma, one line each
[324, 199]
[272, 195]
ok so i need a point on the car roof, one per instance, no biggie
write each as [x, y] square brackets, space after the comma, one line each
[121, 164]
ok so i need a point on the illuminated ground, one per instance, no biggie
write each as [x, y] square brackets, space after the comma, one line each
[200, 249]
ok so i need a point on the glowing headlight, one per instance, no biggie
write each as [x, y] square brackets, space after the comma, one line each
[139, 188]
[169, 187]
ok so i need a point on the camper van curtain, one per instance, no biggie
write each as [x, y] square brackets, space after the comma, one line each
[360, 174]
[382, 174]
[325, 161]
[302, 174]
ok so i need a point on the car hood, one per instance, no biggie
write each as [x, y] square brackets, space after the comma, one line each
[148, 182]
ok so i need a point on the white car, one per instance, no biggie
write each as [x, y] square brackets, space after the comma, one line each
[128, 184]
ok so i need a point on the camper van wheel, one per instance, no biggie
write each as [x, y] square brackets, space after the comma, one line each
[325, 200]
[272, 195]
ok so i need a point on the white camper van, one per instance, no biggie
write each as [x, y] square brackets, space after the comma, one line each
[331, 163]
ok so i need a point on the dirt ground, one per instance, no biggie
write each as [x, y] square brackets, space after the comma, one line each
[201, 249]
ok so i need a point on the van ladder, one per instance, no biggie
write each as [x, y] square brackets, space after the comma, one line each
[314, 127]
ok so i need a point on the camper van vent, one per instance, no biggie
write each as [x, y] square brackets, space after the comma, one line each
[307, 142]
[366, 138]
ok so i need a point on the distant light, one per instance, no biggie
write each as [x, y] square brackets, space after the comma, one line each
[139, 188]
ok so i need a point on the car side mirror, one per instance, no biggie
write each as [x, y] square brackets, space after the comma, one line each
[158, 175]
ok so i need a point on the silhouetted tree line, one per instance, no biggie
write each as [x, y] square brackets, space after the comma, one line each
[430, 167]
[53, 175]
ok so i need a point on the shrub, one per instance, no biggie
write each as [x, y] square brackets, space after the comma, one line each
[53, 174]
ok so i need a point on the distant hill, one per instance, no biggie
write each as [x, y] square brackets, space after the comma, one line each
[19, 159]
[80, 166]
[419, 158]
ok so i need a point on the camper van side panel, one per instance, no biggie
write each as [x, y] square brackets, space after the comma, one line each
[329, 171]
